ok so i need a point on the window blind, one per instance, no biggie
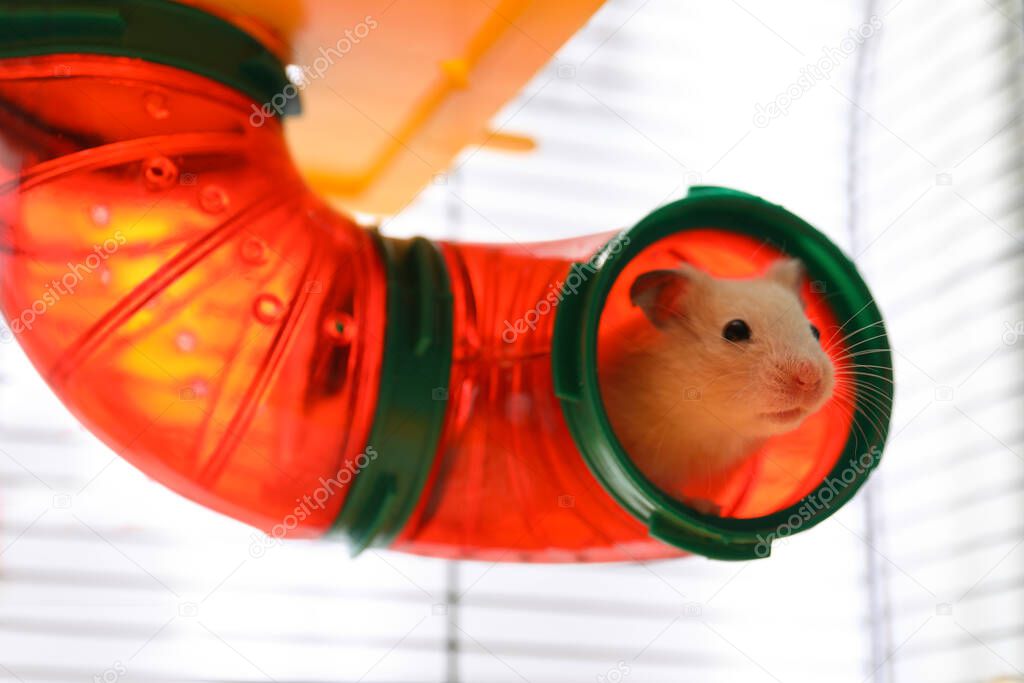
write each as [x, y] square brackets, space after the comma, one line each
[940, 235]
[104, 573]
[650, 98]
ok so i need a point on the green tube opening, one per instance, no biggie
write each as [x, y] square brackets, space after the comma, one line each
[576, 361]
[154, 30]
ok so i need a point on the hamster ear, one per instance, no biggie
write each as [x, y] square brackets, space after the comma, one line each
[788, 272]
[661, 294]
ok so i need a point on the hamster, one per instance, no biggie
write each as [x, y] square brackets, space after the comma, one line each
[716, 367]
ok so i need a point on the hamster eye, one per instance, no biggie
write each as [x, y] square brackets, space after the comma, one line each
[816, 332]
[736, 331]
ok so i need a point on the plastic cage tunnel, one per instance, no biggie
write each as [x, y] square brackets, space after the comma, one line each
[200, 310]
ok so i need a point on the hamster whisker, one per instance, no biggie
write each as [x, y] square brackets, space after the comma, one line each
[879, 403]
[863, 376]
[845, 371]
[841, 352]
[875, 416]
[848, 381]
[843, 362]
[850, 334]
[854, 338]
[856, 431]
[851, 358]
[866, 372]
[877, 423]
[858, 354]
[853, 348]
[861, 342]
[860, 386]
[859, 310]
[839, 336]
[738, 346]
[873, 407]
[865, 352]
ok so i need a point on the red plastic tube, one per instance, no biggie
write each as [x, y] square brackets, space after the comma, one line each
[198, 308]
[178, 286]
[509, 482]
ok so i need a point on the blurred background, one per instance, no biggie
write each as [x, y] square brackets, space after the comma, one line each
[895, 127]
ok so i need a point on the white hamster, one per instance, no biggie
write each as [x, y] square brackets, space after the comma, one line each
[718, 367]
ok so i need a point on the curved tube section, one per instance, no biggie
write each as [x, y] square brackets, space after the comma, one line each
[168, 273]
[196, 307]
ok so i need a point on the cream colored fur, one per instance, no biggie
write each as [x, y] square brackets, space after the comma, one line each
[690, 406]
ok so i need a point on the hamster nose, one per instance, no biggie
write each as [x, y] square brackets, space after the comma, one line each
[806, 375]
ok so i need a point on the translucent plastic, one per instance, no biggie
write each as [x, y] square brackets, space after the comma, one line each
[192, 303]
[509, 483]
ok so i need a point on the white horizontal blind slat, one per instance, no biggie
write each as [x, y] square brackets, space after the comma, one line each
[118, 571]
[942, 244]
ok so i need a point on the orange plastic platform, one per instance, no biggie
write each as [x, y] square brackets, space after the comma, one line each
[395, 89]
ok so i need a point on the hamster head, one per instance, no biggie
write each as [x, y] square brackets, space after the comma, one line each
[743, 348]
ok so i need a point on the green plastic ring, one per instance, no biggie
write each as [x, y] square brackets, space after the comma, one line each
[574, 360]
[154, 30]
[413, 398]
